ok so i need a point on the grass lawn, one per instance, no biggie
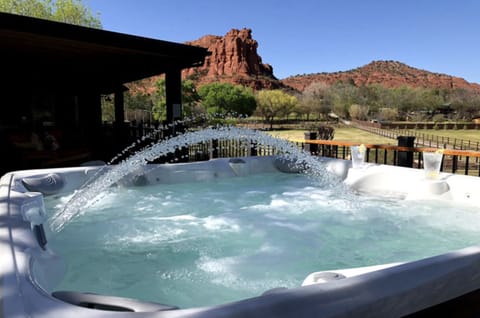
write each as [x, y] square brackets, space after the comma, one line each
[344, 133]
[341, 134]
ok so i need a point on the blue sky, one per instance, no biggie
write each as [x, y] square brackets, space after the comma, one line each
[310, 36]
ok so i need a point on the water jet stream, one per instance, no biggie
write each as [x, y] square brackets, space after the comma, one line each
[91, 191]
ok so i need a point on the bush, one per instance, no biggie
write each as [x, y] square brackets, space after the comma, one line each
[324, 132]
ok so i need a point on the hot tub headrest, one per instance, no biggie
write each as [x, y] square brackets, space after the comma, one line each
[109, 303]
[48, 184]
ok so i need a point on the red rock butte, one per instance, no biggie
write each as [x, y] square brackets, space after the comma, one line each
[233, 59]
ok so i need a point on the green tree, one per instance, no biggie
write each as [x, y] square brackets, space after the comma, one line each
[404, 98]
[429, 99]
[343, 96]
[139, 106]
[159, 108]
[388, 114]
[190, 98]
[224, 98]
[466, 103]
[376, 96]
[316, 98]
[274, 103]
[67, 11]
[359, 112]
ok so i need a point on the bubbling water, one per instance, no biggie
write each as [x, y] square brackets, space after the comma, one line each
[92, 191]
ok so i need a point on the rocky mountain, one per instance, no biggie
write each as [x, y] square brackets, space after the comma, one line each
[233, 59]
[387, 73]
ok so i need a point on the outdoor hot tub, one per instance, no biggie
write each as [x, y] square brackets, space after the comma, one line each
[31, 269]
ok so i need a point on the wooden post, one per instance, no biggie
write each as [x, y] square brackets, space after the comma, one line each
[311, 148]
[405, 159]
[214, 149]
[119, 106]
[173, 91]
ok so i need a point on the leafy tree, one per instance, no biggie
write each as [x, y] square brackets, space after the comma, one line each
[74, 12]
[33, 8]
[429, 100]
[67, 11]
[466, 103]
[316, 98]
[304, 108]
[359, 112]
[140, 104]
[224, 98]
[159, 108]
[386, 113]
[376, 96]
[404, 98]
[190, 98]
[343, 96]
[274, 103]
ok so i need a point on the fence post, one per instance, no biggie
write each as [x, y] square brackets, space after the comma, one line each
[311, 148]
[214, 149]
[454, 163]
[405, 158]
[253, 149]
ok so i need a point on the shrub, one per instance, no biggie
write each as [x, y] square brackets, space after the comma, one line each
[326, 132]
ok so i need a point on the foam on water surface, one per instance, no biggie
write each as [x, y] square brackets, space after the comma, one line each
[196, 244]
[95, 189]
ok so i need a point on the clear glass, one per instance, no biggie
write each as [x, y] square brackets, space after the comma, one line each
[431, 164]
[358, 156]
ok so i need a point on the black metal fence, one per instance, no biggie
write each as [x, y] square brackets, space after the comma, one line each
[422, 138]
[454, 161]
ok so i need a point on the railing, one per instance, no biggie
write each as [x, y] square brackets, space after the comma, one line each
[433, 140]
[454, 161]
[421, 138]
[227, 148]
[217, 148]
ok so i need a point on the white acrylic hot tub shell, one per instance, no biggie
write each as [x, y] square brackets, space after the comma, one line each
[407, 183]
[28, 271]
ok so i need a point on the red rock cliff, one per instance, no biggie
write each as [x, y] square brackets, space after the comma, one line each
[233, 59]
